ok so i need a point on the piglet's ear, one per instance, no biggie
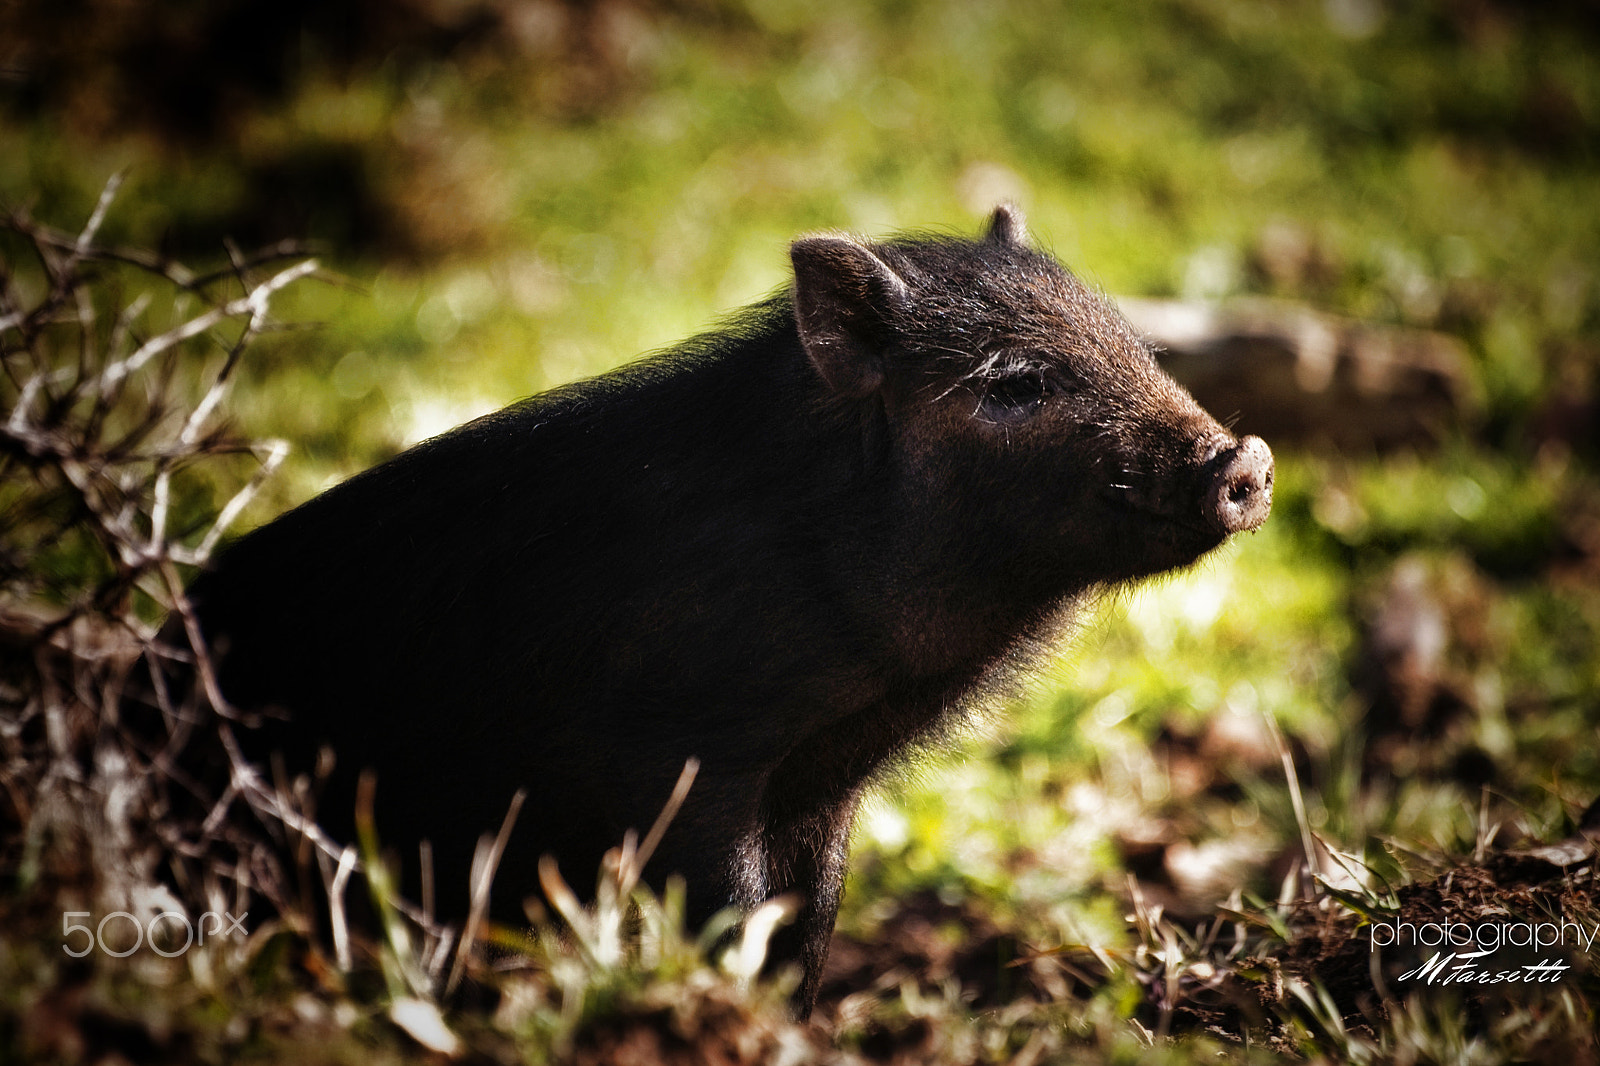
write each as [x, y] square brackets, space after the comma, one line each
[845, 298]
[1007, 225]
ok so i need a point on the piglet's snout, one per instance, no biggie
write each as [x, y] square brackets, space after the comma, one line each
[1240, 494]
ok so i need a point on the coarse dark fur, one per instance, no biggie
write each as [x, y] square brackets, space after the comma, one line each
[794, 548]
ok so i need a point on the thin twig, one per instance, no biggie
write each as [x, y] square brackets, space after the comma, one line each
[680, 792]
[253, 303]
[86, 237]
[484, 863]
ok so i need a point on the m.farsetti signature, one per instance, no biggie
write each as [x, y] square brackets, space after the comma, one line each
[1444, 970]
[1475, 940]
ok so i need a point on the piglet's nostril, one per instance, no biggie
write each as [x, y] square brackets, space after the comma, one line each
[1239, 496]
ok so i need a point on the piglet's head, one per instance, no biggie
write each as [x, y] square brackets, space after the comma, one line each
[1024, 420]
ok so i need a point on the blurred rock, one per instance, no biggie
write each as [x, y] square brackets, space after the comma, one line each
[1234, 745]
[1296, 375]
[1288, 258]
[1569, 414]
[1423, 631]
[1404, 647]
[1205, 874]
[1577, 564]
[1240, 738]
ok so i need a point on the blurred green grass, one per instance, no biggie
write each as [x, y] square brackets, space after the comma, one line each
[518, 211]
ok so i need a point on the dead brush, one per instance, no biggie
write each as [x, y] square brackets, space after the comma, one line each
[112, 449]
[114, 365]
[106, 450]
[113, 452]
[1299, 975]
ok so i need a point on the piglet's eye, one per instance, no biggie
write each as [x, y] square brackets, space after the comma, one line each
[1020, 391]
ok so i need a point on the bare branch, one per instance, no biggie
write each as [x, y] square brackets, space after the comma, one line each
[107, 425]
[86, 238]
[253, 303]
[276, 451]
